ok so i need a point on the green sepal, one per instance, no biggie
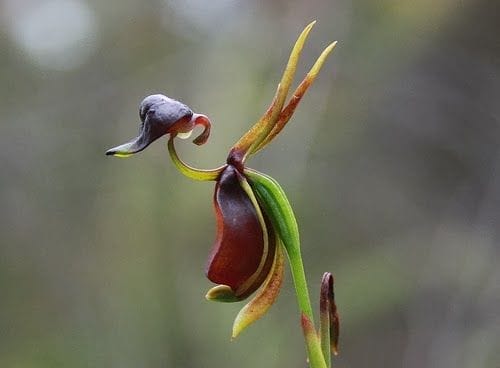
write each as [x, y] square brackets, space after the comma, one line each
[277, 207]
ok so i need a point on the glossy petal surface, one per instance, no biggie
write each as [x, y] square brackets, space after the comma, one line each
[240, 245]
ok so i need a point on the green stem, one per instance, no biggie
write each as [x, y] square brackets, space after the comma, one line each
[314, 349]
[300, 282]
[279, 210]
[189, 171]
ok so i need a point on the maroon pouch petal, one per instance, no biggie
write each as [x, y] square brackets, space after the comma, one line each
[250, 286]
[239, 245]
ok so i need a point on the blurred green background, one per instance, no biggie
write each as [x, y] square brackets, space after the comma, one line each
[392, 163]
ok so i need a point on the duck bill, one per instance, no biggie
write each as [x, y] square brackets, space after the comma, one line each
[161, 115]
[127, 149]
[148, 135]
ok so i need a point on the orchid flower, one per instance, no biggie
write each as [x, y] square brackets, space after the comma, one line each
[256, 225]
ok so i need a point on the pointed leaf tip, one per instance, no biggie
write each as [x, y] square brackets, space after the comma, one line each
[310, 25]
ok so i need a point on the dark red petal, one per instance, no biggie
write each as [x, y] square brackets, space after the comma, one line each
[239, 246]
[261, 277]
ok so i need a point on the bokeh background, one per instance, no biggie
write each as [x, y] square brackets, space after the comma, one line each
[392, 163]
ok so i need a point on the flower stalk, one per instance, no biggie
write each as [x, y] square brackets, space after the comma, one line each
[276, 203]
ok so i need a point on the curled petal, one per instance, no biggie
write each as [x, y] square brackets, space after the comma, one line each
[265, 297]
[243, 251]
[203, 121]
[329, 319]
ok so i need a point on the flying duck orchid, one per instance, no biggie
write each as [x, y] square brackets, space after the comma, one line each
[255, 222]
